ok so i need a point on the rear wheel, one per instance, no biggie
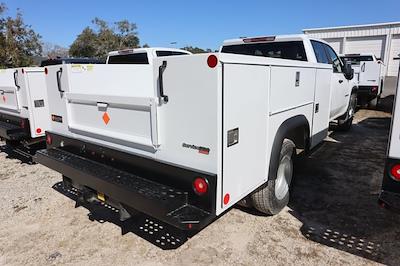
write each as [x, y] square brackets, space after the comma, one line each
[273, 196]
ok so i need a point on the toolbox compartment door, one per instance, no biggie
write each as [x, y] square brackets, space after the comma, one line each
[369, 73]
[115, 104]
[8, 91]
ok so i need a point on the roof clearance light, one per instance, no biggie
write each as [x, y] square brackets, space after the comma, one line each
[259, 39]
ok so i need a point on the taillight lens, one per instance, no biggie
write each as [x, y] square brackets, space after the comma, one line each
[200, 186]
[38, 130]
[395, 172]
[22, 123]
[49, 139]
[46, 71]
[212, 61]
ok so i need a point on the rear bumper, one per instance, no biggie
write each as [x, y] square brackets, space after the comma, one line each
[390, 194]
[11, 129]
[367, 92]
[174, 202]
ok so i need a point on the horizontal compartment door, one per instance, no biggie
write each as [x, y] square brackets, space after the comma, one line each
[128, 121]
[8, 99]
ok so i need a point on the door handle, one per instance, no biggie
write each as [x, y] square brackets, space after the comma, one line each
[160, 81]
[340, 80]
[15, 79]
[58, 75]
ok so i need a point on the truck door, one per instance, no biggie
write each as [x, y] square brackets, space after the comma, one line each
[341, 88]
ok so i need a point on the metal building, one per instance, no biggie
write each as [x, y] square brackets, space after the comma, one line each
[382, 39]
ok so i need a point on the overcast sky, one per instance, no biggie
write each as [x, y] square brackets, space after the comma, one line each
[199, 23]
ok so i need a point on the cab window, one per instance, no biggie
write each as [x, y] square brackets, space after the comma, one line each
[320, 53]
[333, 58]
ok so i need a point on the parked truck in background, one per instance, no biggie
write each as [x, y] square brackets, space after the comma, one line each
[183, 138]
[390, 194]
[368, 72]
[24, 113]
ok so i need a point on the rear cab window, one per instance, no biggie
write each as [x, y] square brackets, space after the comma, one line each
[293, 50]
[136, 58]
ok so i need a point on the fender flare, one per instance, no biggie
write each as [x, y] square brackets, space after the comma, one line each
[284, 130]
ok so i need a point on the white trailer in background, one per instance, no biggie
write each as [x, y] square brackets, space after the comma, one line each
[184, 138]
[390, 194]
[368, 72]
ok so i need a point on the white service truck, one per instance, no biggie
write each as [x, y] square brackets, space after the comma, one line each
[24, 113]
[184, 138]
[368, 73]
[390, 194]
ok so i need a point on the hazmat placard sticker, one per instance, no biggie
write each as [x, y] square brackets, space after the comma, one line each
[106, 118]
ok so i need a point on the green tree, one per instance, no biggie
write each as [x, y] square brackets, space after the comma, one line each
[196, 50]
[19, 43]
[102, 39]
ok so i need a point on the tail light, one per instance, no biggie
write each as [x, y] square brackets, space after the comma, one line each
[38, 130]
[49, 139]
[200, 185]
[374, 89]
[395, 172]
[22, 123]
[212, 61]
[46, 71]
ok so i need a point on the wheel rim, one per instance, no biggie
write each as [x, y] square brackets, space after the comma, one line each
[284, 177]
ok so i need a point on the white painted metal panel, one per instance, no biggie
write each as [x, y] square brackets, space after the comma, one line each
[322, 105]
[37, 101]
[245, 164]
[368, 44]
[394, 145]
[9, 92]
[394, 56]
[285, 93]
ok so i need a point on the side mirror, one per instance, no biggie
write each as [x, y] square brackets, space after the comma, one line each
[348, 71]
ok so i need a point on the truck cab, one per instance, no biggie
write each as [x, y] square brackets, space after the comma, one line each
[368, 73]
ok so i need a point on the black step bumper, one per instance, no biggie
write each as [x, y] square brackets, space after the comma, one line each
[10, 131]
[165, 202]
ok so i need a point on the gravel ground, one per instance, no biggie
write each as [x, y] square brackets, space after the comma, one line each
[333, 217]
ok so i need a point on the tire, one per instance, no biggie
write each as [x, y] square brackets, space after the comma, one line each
[346, 123]
[273, 196]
